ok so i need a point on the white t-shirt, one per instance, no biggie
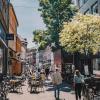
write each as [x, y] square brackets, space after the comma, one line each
[56, 78]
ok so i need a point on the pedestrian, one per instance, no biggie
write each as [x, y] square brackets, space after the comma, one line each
[42, 75]
[47, 73]
[78, 81]
[38, 74]
[56, 80]
[1, 77]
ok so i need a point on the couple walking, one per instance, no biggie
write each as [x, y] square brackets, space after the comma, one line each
[57, 81]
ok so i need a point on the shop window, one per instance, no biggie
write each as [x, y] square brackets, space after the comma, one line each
[94, 8]
[96, 64]
[85, 1]
[2, 34]
[81, 2]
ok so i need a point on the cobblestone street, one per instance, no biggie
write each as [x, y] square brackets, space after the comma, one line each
[46, 95]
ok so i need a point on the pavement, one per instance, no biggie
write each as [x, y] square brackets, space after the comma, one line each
[48, 94]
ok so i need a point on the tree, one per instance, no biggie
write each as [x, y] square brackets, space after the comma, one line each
[82, 34]
[54, 13]
[41, 37]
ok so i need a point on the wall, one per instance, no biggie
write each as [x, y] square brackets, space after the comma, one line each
[3, 31]
[12, 27]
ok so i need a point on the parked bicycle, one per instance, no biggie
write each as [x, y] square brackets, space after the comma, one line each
[91, 89]
[4, 89]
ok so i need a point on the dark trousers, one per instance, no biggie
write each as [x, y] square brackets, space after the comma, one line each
[57, 91]
[78, 89]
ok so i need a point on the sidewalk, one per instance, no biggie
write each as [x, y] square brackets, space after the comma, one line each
[48, 94]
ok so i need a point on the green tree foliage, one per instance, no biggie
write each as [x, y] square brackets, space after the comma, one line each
[54, 13]
[41, 37]
[82, 34]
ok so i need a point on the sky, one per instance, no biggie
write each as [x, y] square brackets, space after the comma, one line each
[29, 18]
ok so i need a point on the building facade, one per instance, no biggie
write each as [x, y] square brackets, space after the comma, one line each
[31, 59]
[13, 24]
[4, 20]
[88, 6]
[91, 7]
[23, 53]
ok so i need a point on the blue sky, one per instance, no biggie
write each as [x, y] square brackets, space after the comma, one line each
[28, 17]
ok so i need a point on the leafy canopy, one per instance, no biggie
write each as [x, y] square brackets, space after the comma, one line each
[54, 13]
[41, 37]
[82, 34]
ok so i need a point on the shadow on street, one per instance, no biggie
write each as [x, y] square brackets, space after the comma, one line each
[65, 87]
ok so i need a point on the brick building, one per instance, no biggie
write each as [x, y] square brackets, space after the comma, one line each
[4, 20]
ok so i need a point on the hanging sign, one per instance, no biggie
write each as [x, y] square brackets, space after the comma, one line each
[9, 36]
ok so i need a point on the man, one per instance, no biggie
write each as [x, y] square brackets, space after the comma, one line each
[56, 80]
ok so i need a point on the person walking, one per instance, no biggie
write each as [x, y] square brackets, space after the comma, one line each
[47, 73]
[78, 81]
[57, 80]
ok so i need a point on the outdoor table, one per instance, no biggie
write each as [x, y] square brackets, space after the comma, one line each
[34, 85]
[13, 83]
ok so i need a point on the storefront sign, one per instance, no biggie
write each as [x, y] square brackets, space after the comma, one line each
[9, 36]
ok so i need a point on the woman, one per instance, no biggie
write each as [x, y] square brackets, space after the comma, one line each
[78, 81]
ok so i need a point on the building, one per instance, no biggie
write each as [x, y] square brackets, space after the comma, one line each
[23, 53]
[13, 24]
[88, 6]
[4, 20]
[91, 7]
[18, 66]
[40, 58]
[31, 58]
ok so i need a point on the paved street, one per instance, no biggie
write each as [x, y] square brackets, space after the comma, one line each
[46, 95]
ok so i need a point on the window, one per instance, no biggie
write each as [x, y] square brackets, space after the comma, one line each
[87, 12]
[81, 2]
[85, 1]
[96, 65]
[6, 12]
[94, 8]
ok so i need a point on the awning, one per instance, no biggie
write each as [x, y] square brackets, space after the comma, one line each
[3, 42]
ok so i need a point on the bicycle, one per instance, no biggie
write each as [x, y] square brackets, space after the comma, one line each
[3, 91]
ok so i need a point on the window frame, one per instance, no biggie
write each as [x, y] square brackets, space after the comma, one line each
[93, 8]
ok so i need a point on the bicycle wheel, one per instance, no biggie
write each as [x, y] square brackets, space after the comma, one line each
[3, 96]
